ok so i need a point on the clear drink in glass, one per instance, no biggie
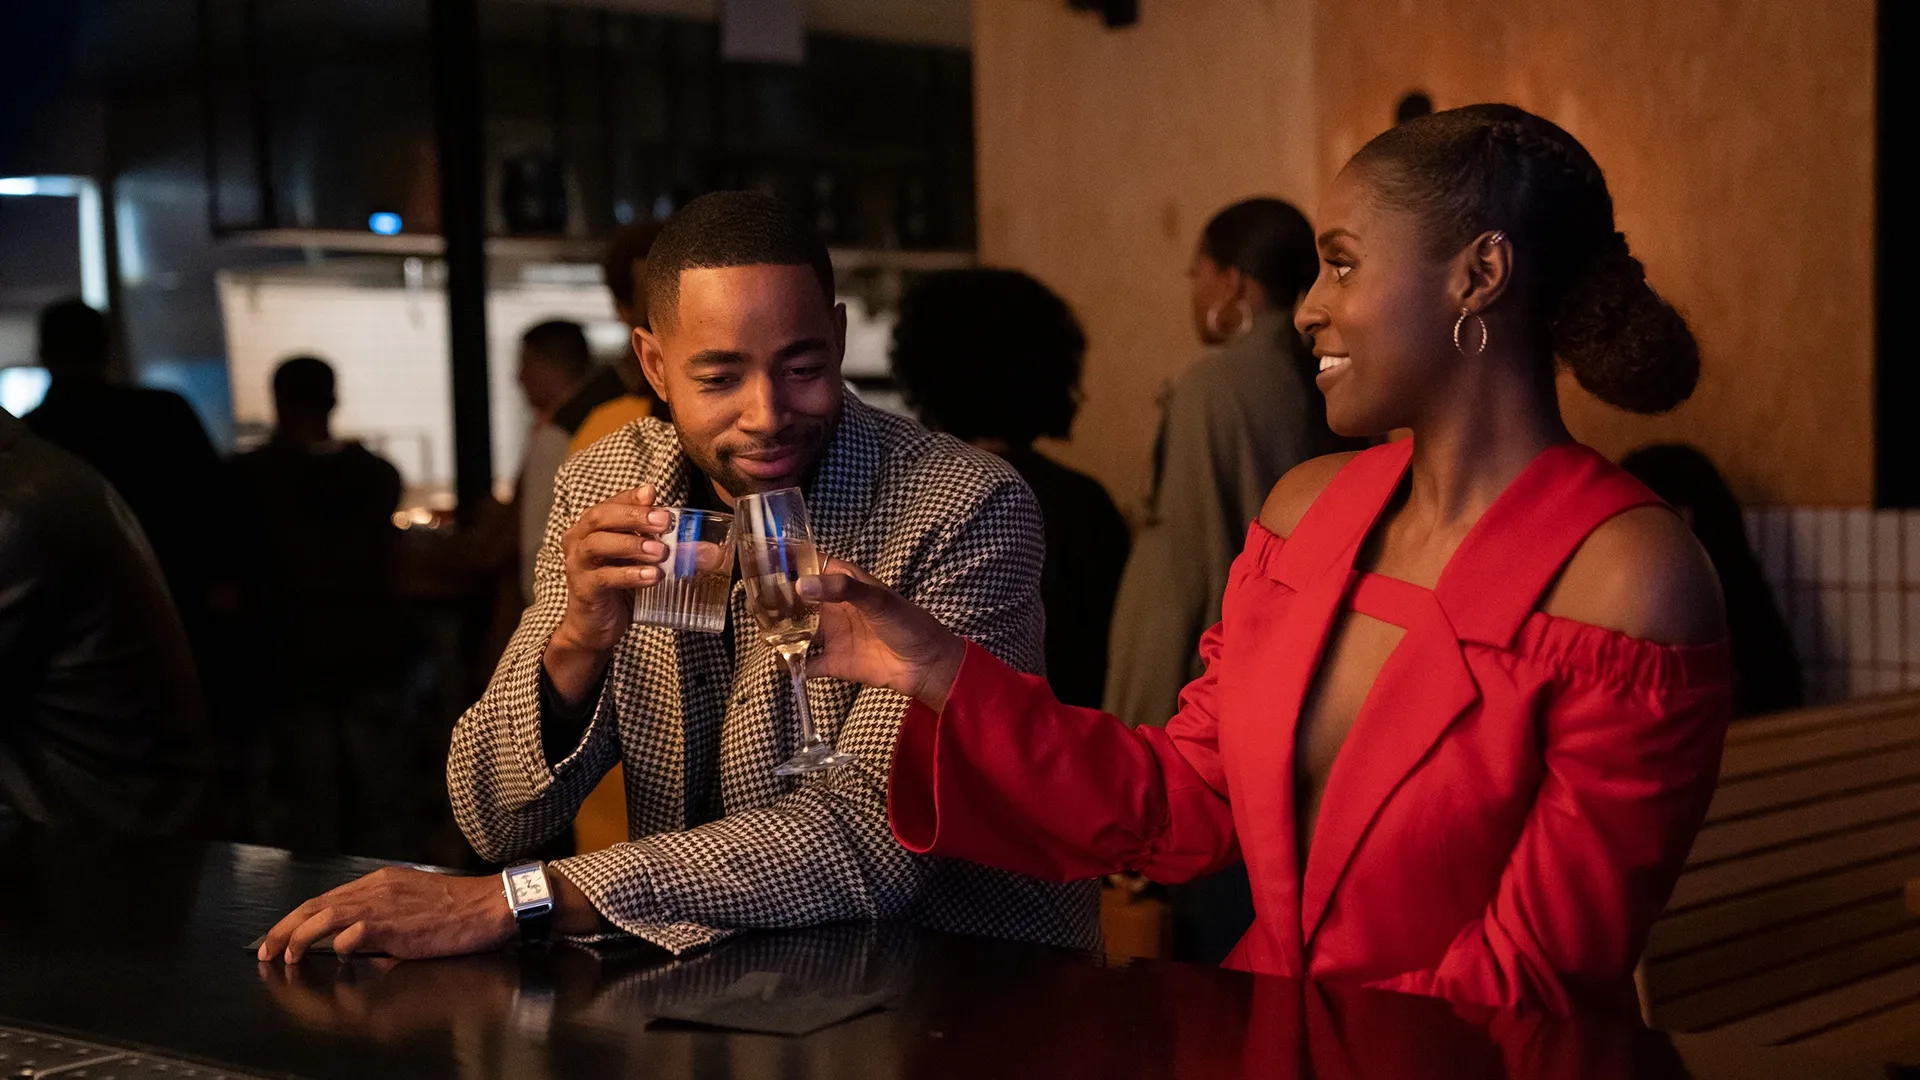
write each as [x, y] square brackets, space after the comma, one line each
[696, 577]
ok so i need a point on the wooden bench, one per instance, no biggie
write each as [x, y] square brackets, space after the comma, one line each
[1790, 923]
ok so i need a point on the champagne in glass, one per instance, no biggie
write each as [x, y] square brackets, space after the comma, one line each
[776, 550]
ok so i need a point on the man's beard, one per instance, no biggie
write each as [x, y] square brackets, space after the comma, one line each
[811, 436]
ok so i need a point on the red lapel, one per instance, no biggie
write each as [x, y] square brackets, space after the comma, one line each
[1268, 686]
[1423, 688]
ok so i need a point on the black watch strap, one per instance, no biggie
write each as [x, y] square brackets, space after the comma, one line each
[537, 929]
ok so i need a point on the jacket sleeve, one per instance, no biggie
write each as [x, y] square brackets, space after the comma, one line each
[506, 797]
[822, 852]
[1630, 772]
[1008, 776]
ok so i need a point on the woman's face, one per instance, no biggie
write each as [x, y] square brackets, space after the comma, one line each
[1218, 311]
[1379, 314]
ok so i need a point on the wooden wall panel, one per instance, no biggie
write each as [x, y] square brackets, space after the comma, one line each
[1737, 135]
[1101, 153]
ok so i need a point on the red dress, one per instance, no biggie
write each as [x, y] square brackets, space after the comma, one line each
[1505, 819]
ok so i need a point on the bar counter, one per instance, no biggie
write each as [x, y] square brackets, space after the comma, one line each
[139, 950]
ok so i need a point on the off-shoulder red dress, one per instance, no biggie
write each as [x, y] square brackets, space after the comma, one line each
[1504, 821]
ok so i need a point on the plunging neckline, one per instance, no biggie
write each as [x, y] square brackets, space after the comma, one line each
[1338, 530]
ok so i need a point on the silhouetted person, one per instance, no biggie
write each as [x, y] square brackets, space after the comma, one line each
[147, 443]
[101, 721]
[1766, 666]
[320, 589]
[624, 268]
[555, 365]
[994, 357]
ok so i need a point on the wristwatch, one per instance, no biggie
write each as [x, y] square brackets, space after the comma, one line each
[530, 900]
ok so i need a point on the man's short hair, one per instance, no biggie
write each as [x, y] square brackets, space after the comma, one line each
[628, 246]
[562, 342]
[303, 384]
[73, 338]
[725, 229]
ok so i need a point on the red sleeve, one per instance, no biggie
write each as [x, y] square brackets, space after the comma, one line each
[1630, 772]
[1008, 776]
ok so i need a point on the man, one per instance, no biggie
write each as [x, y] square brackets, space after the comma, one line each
[555, 365]
[320, 597]
[147, 443]
[745, 346]
[101, 722]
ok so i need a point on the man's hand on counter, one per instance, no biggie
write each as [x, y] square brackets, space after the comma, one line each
[413, 914]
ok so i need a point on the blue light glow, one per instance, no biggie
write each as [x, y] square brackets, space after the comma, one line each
[384, 223]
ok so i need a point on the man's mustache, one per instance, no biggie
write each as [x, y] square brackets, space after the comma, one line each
[797, 440]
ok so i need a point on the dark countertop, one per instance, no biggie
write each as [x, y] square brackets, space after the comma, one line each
[142, 945]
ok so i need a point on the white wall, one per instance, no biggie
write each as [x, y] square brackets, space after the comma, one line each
[388, 347]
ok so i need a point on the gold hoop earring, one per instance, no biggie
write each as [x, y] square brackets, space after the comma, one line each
[1461, 322]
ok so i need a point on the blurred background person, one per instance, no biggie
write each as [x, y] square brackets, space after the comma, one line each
[994, 357]
[1230, 427]
[555, 368]
[625, 272]
[1766, 666]
[147, 443]
[101, 718]
[320, 591]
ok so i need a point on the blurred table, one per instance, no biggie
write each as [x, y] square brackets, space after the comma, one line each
[141, 947]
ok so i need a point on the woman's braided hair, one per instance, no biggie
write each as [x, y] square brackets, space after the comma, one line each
[1467, 171]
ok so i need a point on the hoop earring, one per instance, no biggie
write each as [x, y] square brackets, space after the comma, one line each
[1242, 326]
[1461, 322]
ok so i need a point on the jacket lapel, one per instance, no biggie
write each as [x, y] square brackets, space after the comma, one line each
[842, 490]
[1423, 688]
[1264, 693]
[1316, 562]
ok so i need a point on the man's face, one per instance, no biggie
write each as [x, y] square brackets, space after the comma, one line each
[750, 366]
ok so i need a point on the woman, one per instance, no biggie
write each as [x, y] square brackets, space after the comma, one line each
[994, 357]
[1463, 713]
[1766, 666]
[1230, 426]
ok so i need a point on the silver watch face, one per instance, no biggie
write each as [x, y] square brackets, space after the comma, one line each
[529, 885]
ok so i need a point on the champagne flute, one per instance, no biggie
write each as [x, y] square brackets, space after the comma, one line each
[776, 550]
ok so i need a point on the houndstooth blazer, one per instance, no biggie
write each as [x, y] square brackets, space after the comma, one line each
[953, 529]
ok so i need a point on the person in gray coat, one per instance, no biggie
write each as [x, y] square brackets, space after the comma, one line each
[1231, 425]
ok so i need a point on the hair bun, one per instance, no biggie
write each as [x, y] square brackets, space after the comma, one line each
[1625, 344]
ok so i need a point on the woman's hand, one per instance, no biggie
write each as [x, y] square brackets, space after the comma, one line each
[870, 634]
